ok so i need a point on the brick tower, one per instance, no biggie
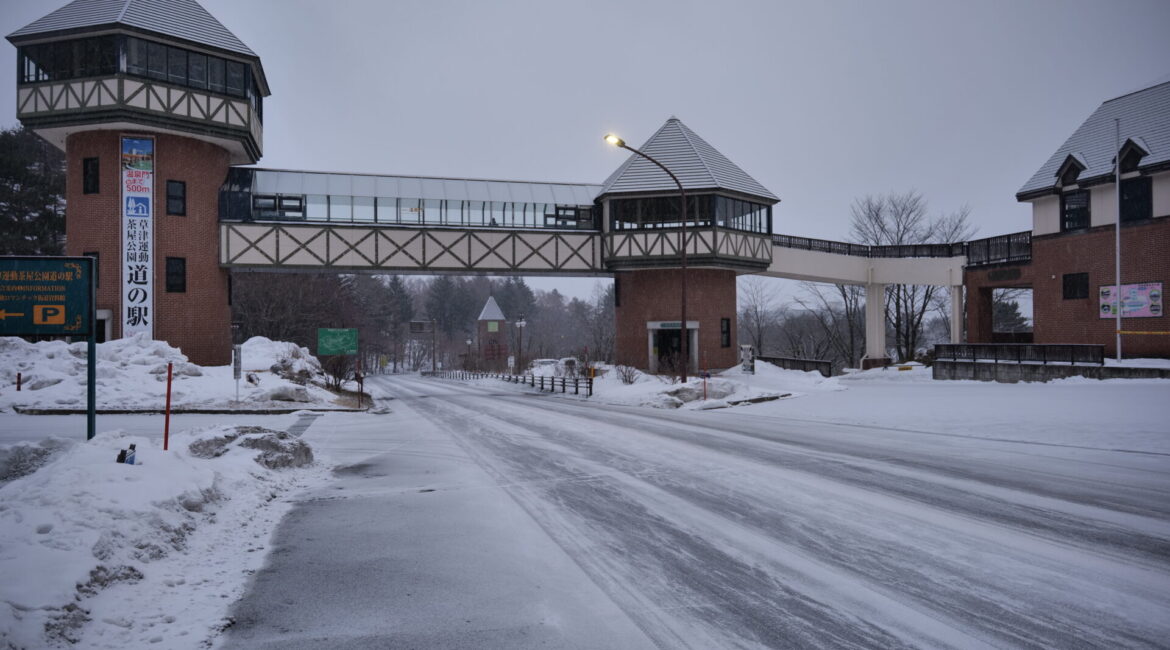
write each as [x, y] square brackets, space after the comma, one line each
[728, 233]
[492, 338]
[151, 103]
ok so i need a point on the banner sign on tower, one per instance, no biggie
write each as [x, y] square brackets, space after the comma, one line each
[137, 236]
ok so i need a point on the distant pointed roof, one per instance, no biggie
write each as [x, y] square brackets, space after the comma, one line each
[698, 165]
[491, 310]
[185, 19]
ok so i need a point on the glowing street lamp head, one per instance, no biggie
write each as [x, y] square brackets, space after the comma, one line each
[614, 140]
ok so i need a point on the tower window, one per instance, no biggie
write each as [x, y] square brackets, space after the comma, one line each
[725, 332]
[1076, 286]
[176, 275]
[197, 70]
[156, 61]
[1137, 199]
[215, 74]
[177, 198]
[1074, 210]
[90, 176]
[176, 65]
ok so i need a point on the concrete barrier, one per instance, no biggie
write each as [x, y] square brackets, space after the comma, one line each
[1010, 373]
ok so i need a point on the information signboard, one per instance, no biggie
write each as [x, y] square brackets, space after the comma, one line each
[336, 341]
[1142, 300]
[53, 296]
[46, 296]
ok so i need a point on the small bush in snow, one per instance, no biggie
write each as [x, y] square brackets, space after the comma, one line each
[628, 374]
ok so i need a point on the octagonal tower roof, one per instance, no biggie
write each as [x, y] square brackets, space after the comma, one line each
[698, 166]
[184, 20]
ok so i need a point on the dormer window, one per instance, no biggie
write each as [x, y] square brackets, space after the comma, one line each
[1131, 156]
[1071, 169]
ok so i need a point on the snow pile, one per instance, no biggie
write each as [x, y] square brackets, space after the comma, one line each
[722, 389]
[132, 372]
[128, 555]
[24, 457]
[909, 372]
[261, 353]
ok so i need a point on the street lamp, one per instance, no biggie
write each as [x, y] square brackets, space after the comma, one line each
[520, 344]
[682, 194]
[467, 359]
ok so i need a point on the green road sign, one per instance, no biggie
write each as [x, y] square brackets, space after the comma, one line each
[46, 296]
[336, 341]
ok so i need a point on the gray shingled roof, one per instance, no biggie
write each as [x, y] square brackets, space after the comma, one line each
[185, 19]
[491, 310]
[1145, 118]
[698, 165]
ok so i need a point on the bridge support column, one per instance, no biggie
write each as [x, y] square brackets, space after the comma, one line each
[875, 327]
[957, 313]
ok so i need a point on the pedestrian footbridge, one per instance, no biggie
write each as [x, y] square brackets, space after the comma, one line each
[286, 220]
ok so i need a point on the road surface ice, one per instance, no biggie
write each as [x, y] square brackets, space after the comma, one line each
[474, 516]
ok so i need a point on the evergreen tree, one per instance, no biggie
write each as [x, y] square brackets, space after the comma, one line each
[1006, 317]
[32, 194]
[400, 311]
[516, 299]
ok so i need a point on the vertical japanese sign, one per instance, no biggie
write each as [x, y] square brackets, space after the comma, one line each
[137, 236]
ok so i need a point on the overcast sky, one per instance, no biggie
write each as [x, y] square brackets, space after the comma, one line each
[821, 102]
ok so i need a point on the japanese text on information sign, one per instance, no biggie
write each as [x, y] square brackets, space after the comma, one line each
[45, 295]
[137, 240]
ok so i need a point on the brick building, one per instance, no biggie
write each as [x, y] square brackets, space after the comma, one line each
[151, 107]
[1075, 207]
[491, 339]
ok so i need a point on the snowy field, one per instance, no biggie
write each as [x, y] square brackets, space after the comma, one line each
[875, 509]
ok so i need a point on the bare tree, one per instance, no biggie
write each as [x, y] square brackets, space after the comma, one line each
[899, 219]
[803, 336]
[758, 310]
[291, 306]
[839, 311]
[601, 322]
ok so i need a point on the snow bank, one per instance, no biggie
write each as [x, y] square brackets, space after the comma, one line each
[722, 389]
[120, 554]
[131, 374]
[261, 353]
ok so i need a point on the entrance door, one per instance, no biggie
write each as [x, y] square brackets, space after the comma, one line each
[668, 349]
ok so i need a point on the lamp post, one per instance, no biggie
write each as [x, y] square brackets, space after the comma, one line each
[467, 359]
[520, 344]
[682, 194]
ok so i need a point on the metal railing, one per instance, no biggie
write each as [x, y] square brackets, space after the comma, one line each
[1070, 353]
[1016, 247]
[538, 382]
[864, 250]
[806, 365]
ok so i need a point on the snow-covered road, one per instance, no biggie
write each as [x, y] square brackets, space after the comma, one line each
[698, 530]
